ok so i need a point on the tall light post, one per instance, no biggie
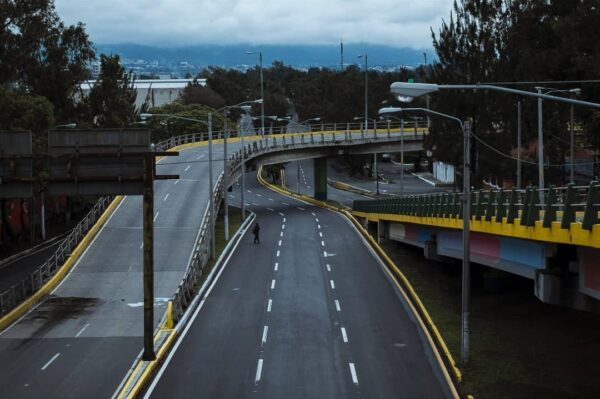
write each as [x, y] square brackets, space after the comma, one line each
[549, 90]
[244, 106]
[366, 57]
[466, 205]
[389, 116]
[407, 91]
[262, 90]
[211, 205]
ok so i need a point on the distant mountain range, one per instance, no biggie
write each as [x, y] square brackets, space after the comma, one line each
[295, 55]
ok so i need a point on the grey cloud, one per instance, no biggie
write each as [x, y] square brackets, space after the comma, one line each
[401, 23]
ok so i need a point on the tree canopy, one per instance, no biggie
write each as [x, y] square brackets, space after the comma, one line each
[514, 41]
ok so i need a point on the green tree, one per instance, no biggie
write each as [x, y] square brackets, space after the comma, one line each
[111, 102]
[41, 55]
[195, 93]
[163, 128]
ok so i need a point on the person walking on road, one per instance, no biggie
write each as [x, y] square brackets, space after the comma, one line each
[256, 232]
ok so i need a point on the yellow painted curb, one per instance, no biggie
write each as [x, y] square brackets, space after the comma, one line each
[138, 383]
[413, 297]
[37, 297]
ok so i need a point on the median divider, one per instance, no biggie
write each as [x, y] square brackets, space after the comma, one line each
[39, 295]
[142, 371]
[429, 327]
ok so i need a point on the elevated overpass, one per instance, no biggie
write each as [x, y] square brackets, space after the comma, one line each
[87, 330]
[556, 244]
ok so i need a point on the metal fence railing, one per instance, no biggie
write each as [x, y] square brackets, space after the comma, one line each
[565, 205]
[22, 290]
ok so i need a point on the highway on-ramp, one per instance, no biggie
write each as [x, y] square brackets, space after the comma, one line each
[309, 312]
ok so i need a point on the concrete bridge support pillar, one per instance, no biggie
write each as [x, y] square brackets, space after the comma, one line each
[382, 231]
[320, 178]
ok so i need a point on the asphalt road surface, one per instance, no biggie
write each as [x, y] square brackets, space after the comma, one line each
[307, 313]
[81, 341]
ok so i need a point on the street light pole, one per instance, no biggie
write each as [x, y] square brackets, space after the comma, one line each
[366, 92]
[225, 176]
[572, 177]
[210, 191]
[519, 139]
[402, 156]
[466, 206]
[262, 96]
[466, 264]
[540, 148]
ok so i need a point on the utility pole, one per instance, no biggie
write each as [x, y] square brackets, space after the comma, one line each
[342, 56]
[148, 354]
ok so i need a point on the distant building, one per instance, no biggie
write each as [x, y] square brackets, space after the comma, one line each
[156, 92]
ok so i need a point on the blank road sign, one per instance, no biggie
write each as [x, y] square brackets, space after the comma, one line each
[16, 165]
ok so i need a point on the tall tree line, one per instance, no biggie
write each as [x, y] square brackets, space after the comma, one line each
[516, 41]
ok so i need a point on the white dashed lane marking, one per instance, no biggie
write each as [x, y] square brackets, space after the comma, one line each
[45, 366]
[353, 373]
[337, 306]
[187, 168]
[344, 335]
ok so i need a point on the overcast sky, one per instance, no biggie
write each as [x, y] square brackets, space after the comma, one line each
[399, 23]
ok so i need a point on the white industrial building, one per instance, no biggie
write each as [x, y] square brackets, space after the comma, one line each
[156, 92]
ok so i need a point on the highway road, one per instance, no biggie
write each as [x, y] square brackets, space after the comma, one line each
[83, 339]
[307, 313]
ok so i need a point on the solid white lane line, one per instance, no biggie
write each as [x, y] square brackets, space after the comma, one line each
[259, 371]
[155, 216]
[273, 284]
[344, 335]
[332, 284]
[187, 168]
[352, 372]
[176, 181]
[320, 234]
[328, 267]
[277, 254]
[322, 243]
[166, 196]
[50, 361]
[279, 243]
[269, 305]
[264, 336]
[276, 266]
[82, 330]
[337, 306]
